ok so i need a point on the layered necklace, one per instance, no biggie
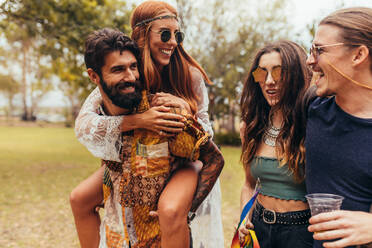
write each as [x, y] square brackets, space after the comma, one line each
[271, 134]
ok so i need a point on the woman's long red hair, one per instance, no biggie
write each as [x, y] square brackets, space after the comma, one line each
[176, 77]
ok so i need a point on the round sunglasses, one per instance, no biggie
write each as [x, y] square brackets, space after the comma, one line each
[166, 35]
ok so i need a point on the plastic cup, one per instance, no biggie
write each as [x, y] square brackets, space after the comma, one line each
[321, 203]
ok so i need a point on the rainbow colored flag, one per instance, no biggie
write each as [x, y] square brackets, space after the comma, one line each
[250, 241]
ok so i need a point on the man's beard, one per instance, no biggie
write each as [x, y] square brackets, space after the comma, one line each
[127, 101]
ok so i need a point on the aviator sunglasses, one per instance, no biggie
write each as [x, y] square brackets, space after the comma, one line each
[166, 35]
[260, 74]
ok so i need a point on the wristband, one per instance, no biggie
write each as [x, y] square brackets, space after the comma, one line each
[190, 217]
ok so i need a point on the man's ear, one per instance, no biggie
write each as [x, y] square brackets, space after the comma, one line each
[94, 77]
[360, 55]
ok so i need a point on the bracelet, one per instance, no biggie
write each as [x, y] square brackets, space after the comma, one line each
[190, 217]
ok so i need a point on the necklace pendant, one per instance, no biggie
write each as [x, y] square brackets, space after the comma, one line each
[270, 135]
[270, 141]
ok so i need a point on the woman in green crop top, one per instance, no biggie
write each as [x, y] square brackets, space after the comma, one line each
[272, 133]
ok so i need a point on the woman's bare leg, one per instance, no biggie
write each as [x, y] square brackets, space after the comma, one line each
[84, 199]
[174, 205]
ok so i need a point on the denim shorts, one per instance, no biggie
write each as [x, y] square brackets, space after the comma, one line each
[282, 230]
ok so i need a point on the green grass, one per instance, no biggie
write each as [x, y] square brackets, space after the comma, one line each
[232, 178]
[38, 169]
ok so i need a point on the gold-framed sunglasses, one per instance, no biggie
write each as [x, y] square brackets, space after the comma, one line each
[260, 74]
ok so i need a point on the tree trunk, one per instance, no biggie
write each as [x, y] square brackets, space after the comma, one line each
[10, 103]
[232, 117]
[211, 109]
[26, 113]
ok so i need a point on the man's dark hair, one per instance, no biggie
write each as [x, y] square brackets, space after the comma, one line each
[104, 41]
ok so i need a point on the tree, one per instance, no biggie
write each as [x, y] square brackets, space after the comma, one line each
[67, 29]
[224, 43]
[9, 87]
[53, 31]
[20, 37]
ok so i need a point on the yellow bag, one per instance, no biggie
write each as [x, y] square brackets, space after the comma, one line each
[186, 144]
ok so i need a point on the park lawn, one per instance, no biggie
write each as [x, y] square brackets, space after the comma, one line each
[39, 166]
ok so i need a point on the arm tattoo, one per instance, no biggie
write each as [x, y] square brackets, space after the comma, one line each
[213, 162]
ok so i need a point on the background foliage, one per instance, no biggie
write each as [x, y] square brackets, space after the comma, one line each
[46, 38]
[44, 46]
[41, 47]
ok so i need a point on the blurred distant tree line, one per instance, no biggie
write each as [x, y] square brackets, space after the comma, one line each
[45, 39]
[225, 42]
[45, 44]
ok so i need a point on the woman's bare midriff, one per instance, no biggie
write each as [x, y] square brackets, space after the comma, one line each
[280, 205]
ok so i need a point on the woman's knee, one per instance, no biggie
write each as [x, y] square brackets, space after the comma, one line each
[77, 198]
[83, 200]
[88, 194]
[171, 213]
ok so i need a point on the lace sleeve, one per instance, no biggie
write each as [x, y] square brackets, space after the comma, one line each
[98, 133]
[201, 91]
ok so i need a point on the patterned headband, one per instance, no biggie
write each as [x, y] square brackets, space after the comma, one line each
[144, 22]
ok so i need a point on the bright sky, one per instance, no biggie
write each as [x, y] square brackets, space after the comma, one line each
[301, 13]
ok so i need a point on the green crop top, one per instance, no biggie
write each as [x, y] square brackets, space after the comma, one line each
[277, 181]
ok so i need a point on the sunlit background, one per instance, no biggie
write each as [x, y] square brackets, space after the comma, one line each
[41, 45]
[43, 84]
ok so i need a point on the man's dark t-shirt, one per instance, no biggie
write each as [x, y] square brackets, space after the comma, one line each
[339, 154]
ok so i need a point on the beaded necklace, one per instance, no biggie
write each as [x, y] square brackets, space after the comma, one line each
[270, 135]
